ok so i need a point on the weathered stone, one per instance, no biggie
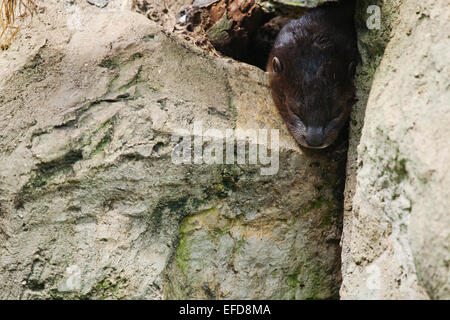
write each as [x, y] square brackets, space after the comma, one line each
[203, 3]
[397, 226]
[91, 203]
[303, 3]
[99, 3]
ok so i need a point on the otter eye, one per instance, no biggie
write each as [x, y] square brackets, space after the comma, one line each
[276, 65]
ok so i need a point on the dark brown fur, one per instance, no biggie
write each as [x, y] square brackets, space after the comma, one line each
[311, 70]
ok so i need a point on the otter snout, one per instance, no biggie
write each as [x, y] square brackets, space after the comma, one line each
[314, 137]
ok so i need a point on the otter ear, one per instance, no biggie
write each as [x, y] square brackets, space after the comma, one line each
[277, 67]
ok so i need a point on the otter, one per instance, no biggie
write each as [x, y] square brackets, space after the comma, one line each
[311, 69]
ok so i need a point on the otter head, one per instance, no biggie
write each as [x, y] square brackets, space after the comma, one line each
[311, 79]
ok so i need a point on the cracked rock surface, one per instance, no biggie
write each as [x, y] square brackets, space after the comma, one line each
[91, 204]
[396, 232]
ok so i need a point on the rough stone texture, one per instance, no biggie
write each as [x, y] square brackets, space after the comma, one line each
[99, 3]
[91, 205]
[303, 3]
[397, 226]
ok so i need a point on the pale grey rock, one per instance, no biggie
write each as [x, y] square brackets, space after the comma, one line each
[397, 225]
[303, 3]
[91, 204]
[99, 3]
[203, 3]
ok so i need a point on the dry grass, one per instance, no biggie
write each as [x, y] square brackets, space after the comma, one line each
[9, 11]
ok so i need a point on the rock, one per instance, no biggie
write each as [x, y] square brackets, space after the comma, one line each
[203, 3]
[99, 3]
[303, 3]
[241, 29]
[92, 204]
[396, 226]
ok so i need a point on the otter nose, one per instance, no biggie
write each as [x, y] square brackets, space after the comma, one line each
[314, 137]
